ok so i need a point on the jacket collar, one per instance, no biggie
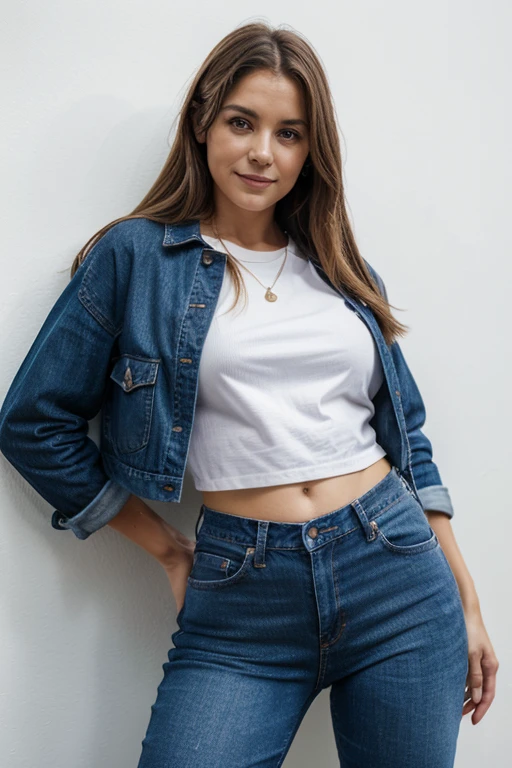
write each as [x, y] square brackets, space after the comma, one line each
[183, 232]
[189, 230]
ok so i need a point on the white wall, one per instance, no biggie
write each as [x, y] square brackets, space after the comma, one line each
[89, 92]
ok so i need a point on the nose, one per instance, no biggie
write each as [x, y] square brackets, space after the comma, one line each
[261, 151]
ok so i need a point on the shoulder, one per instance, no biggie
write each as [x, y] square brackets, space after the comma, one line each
[131, 234]
[115, 250]
[103, 278]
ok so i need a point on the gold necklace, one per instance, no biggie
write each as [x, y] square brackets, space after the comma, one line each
[269, 294]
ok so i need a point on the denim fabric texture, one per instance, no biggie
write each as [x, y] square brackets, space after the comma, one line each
[361, 599]
[124, 338]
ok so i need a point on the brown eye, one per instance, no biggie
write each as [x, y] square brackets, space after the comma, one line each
[236, 120]
[294, 134]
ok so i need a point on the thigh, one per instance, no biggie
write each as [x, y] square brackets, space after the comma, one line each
[402, 663]
[241, 674]
[402, 711]
[210, 715]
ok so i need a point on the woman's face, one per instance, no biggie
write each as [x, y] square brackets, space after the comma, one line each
[261, 129]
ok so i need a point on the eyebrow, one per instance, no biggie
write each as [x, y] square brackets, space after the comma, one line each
[252, 113]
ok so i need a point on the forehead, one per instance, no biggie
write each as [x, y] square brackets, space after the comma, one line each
[263, 92]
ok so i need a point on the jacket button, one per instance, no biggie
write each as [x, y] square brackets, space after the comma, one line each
[177, 429]
[313, 532]
[207, 259]
[128, 382]
[168, 487]
[397, 392]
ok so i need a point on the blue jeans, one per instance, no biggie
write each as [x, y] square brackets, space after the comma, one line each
[361, 600]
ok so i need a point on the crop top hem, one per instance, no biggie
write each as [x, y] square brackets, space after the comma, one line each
[298, 474]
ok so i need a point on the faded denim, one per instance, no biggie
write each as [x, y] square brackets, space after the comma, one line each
[361, 600]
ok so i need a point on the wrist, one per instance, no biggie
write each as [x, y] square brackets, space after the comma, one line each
[179, 549]
[471, 608]
[138, 522]
[469, 598]
[170, 547]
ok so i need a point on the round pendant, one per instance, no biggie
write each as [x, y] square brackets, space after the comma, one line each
[270, 296]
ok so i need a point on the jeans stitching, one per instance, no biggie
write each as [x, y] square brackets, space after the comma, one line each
[338, 604]
[302, 549]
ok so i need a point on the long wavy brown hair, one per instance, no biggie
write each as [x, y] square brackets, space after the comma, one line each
[314, 211]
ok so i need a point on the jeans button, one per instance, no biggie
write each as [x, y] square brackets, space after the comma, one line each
[313, 533]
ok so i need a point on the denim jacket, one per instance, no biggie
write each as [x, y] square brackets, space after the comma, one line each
[124, 338]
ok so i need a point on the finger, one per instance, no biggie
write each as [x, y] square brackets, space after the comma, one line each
[475, 675]
[468, 703]
[489, 667]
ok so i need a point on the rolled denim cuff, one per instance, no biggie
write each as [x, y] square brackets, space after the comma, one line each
[436, 498]
[103, 508]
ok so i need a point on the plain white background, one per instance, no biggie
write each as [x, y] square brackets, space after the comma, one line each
[89, 93]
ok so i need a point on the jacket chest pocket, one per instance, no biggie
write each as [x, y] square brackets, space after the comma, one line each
[129, 406]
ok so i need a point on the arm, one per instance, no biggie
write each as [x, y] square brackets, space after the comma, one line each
[435, 500]
[442, 526]
[60, 386]
[171, 548]
[430, 488]
[431, 491]
[482, 661]
[139, 523]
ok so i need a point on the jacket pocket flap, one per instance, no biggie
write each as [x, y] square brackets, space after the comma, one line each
[131, 372]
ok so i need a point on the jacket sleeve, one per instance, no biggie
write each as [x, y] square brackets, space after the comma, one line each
[432, 493]
[59, 387]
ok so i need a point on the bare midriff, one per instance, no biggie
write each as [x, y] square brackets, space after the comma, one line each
[298, 502]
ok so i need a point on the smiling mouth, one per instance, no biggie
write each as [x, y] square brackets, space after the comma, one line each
[255, 178]
[255, 183]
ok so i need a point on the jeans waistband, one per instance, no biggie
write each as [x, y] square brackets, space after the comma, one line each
[313, 533]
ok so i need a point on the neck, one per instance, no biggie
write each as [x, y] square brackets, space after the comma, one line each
[254, 240]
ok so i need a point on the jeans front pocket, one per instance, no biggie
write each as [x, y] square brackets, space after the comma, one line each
[403, 527]
[129, 404]
[219, 562]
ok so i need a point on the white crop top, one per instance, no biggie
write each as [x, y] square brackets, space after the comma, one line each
[285, 387]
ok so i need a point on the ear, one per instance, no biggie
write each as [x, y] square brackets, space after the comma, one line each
[200, 135]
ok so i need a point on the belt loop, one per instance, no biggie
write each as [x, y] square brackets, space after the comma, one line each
[261, 541]
[201, 512]
[368, 529]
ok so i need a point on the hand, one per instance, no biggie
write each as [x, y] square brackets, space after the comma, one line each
[483, 665]
[178, 565]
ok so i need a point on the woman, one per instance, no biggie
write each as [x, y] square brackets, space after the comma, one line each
[325, 555]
